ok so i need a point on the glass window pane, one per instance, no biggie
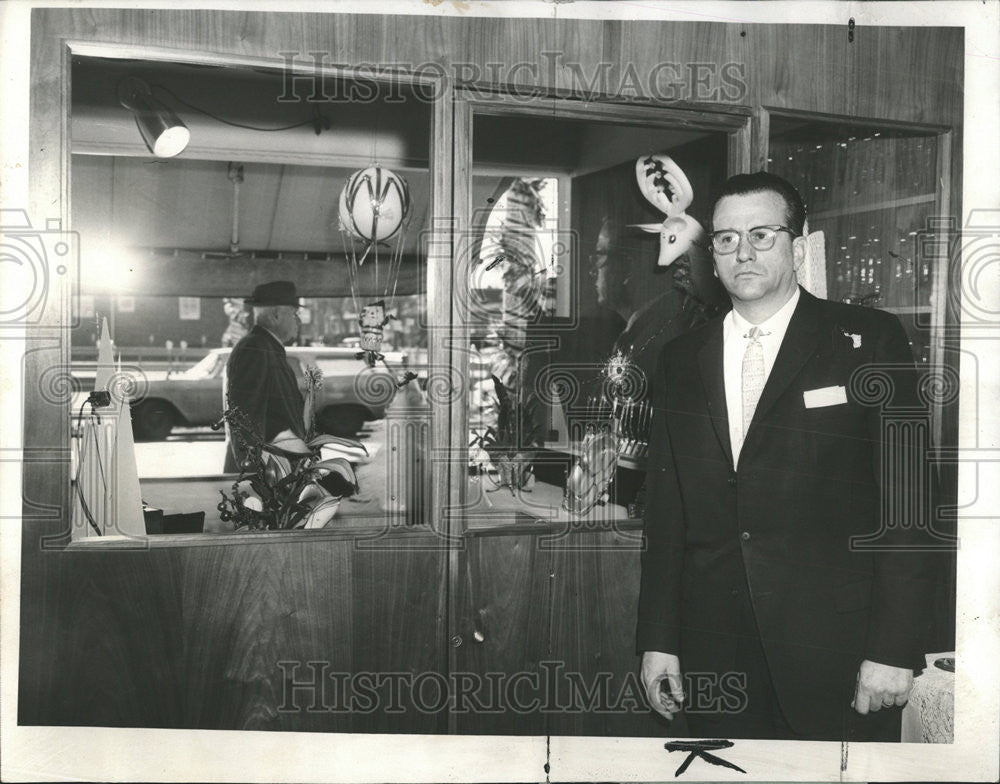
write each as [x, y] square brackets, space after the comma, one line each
[570, 307]
[872, 192]
[172, 247]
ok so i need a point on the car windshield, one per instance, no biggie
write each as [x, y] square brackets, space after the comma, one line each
[205, 368]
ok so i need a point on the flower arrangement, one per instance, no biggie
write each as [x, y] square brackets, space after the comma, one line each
[285, 484]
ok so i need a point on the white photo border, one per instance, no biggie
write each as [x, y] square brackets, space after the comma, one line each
[56, 753]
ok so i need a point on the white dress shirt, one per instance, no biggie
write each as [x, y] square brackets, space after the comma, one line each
[734, 345]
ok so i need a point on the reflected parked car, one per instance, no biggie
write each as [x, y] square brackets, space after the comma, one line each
[352, 393]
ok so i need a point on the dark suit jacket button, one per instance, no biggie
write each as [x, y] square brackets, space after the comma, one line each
[745, 536]
[732, 481]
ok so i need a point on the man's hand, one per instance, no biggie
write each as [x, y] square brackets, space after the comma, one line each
[661, 676]
[881, 686]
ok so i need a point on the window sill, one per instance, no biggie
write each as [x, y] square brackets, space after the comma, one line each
[356, 531]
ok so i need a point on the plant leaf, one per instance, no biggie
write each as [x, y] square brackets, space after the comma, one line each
[339, 466]
[287, 443]
[276, 467]
[500, 389]
[325, 439]
[322, 513]
[286, 482]
[312, 493]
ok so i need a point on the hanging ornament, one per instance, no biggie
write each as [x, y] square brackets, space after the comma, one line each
[373, 207]
[373, 320]
[373, 204]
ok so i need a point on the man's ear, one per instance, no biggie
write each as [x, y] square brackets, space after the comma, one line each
[799, 245]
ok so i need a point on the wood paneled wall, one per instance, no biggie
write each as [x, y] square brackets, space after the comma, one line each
[211, 637]
[264, 636]
[912, 74]
[185, 637]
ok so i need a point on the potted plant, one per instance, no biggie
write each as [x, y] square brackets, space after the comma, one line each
[513, 443]
[285, 483]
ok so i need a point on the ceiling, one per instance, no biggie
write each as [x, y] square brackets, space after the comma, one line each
[187, 204]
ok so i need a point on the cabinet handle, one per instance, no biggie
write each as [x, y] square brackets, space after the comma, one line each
[456, 641]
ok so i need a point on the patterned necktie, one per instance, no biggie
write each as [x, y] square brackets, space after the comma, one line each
[753, 375]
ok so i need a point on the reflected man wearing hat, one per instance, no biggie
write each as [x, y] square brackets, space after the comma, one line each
[259, 381]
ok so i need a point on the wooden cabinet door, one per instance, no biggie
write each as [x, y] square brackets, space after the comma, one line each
[545, 643]
[595, 589]
[502, 637]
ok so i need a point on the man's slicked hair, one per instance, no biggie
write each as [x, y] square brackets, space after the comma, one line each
[765, 182]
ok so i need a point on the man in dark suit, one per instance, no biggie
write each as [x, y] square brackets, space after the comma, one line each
[258, 379]
[768, 465]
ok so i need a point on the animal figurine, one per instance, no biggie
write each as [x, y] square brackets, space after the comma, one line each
[666, 187]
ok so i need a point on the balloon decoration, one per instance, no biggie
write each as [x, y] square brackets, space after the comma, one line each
[373, 204]
[666, 187]
[373, 208]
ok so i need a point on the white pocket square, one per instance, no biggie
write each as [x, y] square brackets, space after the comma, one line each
[824, 396]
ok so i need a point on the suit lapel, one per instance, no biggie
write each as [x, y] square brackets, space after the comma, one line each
[797, 346]
[713, 377]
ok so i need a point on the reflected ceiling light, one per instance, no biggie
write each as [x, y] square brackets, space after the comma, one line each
[109, 267]
[162, 130]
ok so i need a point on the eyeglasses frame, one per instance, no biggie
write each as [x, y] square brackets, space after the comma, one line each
[742, 234]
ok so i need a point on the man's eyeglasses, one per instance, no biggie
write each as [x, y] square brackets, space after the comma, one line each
[600, 259]
[760, 238]
[596, 261]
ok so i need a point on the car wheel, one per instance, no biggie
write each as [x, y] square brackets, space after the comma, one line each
[152, 420]
[344, 421]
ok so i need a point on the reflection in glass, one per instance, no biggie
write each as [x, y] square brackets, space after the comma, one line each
[182, 390]
[872, 192]
[169, 250]
[570, 309]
